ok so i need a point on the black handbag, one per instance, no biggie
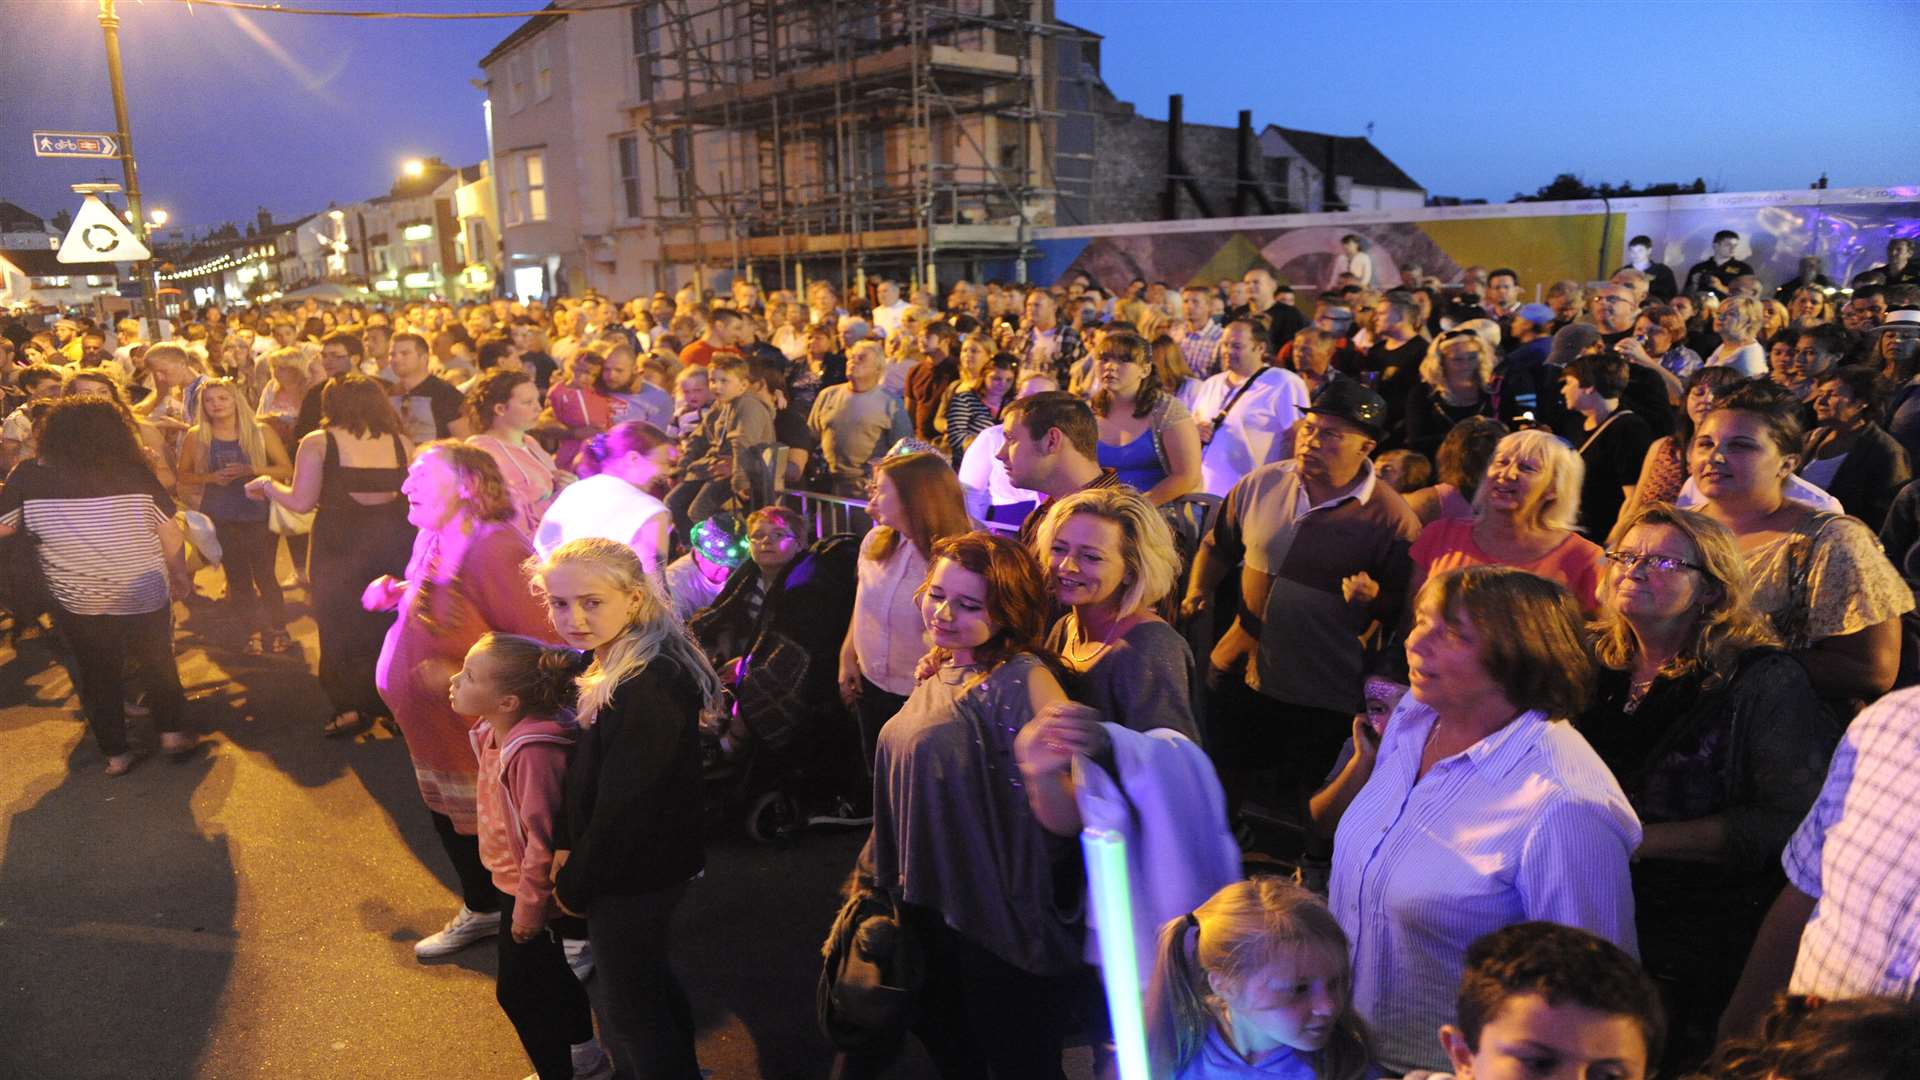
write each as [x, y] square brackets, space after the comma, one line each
[871, 979]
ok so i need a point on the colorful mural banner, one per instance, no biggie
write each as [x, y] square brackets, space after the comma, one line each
[1581, 241]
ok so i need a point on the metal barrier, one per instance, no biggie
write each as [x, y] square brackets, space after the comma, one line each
[829, 514]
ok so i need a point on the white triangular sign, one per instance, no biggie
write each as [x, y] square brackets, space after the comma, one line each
[98, 236]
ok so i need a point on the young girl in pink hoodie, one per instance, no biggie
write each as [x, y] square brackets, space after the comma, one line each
[522, 692]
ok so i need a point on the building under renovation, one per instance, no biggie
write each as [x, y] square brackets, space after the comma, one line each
[640, 147]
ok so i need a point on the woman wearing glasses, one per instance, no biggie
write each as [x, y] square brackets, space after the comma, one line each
[1719, 742]
[1831, 596]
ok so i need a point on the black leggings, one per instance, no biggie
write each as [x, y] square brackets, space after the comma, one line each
[248, 551]
[539, 994]
[476, 883]
[646, 1021]
[103, 645]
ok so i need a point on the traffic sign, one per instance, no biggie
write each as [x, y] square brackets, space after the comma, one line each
[85, 144]
[99, 236]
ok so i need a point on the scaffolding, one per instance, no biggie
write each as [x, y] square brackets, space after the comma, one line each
[788, 133]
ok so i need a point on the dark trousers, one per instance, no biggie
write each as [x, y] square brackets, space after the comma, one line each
[694, 501]
[248, 550]
[874, 709]
[350, 547]
[1248, 732]
[979, 1016]
[102, 647]
[476, 883]
[538, 992]
[646, 1021]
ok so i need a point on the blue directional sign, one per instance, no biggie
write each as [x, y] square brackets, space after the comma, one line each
[81, 144]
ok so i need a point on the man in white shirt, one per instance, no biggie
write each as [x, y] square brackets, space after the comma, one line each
[1244, 410]
[886, 313]
[984, 482]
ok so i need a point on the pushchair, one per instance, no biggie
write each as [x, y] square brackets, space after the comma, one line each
[800, 752]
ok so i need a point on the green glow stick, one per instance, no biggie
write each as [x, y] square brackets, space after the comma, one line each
[1107, 882]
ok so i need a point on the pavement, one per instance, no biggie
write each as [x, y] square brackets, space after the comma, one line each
[252, 911]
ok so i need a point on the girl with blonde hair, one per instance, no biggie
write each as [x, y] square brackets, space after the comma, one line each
[1255, 982]
[218, 456]
[634, 795]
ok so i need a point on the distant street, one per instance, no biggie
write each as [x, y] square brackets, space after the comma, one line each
[252, 912]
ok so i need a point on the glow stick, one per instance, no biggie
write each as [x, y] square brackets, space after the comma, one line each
[1107, 883]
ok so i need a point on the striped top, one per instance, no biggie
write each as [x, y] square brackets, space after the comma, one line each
[97, 537]
[1525, 824]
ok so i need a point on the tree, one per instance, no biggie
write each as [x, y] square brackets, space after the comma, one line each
[1568, 186]
[62, 221]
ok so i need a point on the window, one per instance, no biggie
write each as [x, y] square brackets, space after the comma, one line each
[626, 165]
[543, 68]
[536, 167]
[517, 82]
[676, 188]
[526, 177]
[645, 23]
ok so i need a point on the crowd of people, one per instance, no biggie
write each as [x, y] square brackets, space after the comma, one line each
[1558, 648]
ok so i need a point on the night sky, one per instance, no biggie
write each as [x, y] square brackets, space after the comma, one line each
[235, 111]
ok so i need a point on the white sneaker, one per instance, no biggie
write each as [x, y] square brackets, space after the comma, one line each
[590, 1061]
[461, 931]
[579, 957]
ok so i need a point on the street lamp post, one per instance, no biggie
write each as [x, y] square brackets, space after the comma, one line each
[110, 25]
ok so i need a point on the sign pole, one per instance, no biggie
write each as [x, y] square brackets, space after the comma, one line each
[149, 291]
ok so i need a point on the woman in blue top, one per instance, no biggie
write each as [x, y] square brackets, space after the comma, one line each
[219, 455]
[1146, 435]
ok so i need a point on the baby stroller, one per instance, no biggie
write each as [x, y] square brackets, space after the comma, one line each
[799, 754]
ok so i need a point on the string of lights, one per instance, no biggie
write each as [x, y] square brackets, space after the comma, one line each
[340, 13]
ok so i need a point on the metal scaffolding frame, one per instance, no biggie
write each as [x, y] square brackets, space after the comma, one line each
[803, 101]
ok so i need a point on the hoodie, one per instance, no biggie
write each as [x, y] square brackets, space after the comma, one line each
[520, 805]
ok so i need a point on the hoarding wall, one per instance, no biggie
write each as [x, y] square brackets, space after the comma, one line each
[1545, 242]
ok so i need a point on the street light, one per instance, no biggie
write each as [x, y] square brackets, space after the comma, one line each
[159, 218]
[414, 168]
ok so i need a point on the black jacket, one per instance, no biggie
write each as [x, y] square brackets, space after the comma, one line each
[634, 795]
[1874, 471]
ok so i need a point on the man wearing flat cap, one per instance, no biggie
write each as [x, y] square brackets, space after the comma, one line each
[1321, 549]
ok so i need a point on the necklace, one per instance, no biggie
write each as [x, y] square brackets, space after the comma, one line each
[1079, 642]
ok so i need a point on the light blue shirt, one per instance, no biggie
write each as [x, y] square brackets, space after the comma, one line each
[1527, 823]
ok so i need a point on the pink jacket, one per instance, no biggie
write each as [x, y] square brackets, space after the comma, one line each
[519, 797]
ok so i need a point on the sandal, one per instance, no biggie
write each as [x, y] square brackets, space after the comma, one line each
[278, 642]
[253, 647]
[346, 723]
[178, 745]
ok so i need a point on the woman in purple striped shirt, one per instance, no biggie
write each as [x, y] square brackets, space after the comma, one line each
[1477, 808]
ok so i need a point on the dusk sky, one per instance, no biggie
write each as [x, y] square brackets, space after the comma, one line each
[234, 111]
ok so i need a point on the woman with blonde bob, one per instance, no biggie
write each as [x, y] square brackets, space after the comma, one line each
[1211, 1006]
[633, 792]
[1740, 322]
[1454, 384]
[1110, 561]
[915, 501]
[1718, 739]
[1524, 512]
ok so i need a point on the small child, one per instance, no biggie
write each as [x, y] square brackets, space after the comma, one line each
[521, 691]
[691, 399]
[1542, 999]
[1256, 983]
[738, 421]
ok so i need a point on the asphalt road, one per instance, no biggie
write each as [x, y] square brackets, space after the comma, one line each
[251, 913]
